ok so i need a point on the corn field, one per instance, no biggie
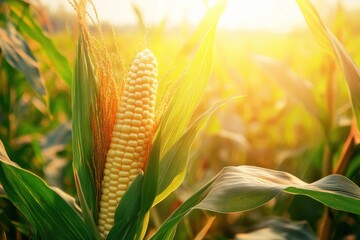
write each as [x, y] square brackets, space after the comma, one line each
[196, 132]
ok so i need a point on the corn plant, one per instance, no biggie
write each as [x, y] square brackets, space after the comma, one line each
[24, 95]
[132, 139]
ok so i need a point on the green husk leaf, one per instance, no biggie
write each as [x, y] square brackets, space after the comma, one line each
[173, 165]
[46, 211]
[149, 187]
[243, 188]
[333, 46]
[191, 87]
[127, 212]
[87, 214]
[83, 93]
[26, 24]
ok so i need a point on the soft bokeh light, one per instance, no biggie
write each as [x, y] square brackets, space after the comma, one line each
[274, 15]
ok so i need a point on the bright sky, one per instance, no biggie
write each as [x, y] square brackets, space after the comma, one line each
[277, 15]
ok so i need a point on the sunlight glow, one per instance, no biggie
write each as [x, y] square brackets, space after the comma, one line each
[274, 15]
[239, 14]
[270, 15]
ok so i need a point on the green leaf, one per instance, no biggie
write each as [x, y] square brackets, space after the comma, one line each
[173, 165]
[333, 46]
[47, 212]
[211, 18]
[243, 188]
[335, 191]
[168, 228]
[83, 93]
[191, 87]
[299, 88]
[22, 17]
[67, 197]
[18, 54]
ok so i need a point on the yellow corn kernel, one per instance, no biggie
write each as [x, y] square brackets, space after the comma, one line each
[131, 135]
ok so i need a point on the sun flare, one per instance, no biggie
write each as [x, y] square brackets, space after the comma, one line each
[275, 15]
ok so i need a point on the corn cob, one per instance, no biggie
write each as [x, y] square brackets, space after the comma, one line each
[130, 137]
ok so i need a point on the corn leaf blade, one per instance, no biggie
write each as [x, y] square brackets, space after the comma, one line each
[18, 54]
[168, 228]
[347, 200]
[173, 165]
[301, 89]
[46, 211]
[244, 188]
[22, 17]
[333, 46]
[182, 59]
[139, 16]
[190, 89]
[212, 16]
[279, 228]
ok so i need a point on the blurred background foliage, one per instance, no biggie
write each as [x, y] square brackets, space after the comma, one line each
[294, 115]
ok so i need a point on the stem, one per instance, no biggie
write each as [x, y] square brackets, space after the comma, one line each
[325, 225]
[331, 93]
[327, 168]
[346, 151]
[345, 155]
[327, 160]
[7, 100]
[330, 99]
[340, 168]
